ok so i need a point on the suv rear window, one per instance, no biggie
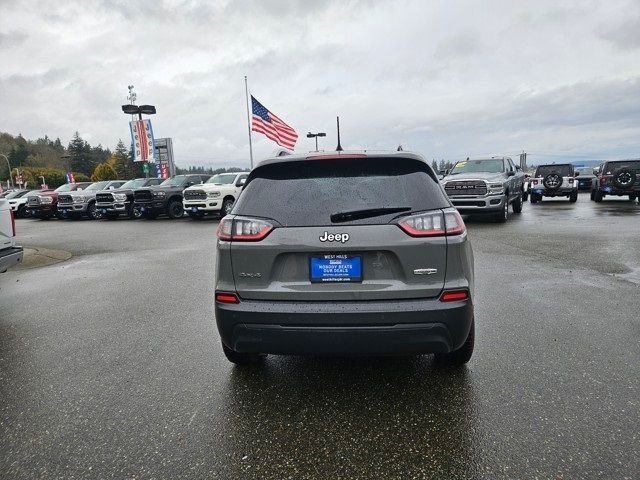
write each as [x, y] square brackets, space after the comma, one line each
[611, 167]
[564, 170]
[307, 193]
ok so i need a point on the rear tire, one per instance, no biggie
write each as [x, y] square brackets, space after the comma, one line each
[174, 209]
[517, 204]
[239, 358]
[525, 195]
[463, 354]
[592, 194]
[598, 196]
[632, 197]
[20, 212]
[573, 198]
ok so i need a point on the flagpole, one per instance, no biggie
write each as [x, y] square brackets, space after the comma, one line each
[246, 91]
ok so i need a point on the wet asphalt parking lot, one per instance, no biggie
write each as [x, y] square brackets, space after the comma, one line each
[111, 365]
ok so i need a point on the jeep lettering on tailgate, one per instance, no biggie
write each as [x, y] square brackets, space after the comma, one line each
[334, 237]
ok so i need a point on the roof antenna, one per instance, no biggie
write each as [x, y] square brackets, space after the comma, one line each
[339, 147]
[399, 148]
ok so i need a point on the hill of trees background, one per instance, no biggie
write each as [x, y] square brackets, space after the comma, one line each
[52, 159]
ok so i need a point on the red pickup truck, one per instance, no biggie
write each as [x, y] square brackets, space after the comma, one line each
[44, 204]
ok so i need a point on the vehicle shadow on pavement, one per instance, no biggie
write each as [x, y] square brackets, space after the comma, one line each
[389, 417]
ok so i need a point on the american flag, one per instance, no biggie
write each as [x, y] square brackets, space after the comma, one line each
[264, 121]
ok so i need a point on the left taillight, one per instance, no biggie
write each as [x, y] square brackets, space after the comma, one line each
[13, 223]
[433, 224]
[243, 229]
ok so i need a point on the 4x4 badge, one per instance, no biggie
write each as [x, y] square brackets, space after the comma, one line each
[334, 237]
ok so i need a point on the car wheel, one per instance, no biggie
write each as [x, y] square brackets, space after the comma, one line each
[553, 181]
[598, 196]
[92, 211]
[463, 354]
[573, 198]
[624, 178]
[174, 209]
[227, 206]
[503, 216]
[517, 204]
[20, 212]
[533, 198]
[135, 213]
[525, 195]
[241, 358]
[131, 212]
[632, 197]
[592, 194]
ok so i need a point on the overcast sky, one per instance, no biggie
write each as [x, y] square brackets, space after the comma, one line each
[448, 79]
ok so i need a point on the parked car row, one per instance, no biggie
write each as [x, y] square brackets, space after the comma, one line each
[195, 194]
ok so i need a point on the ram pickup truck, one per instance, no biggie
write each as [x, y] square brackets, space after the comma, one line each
[79, 203]
[165, 198]
[10, 255]
[216, 196]
[617, 178]
[554, 180]
[486, 186]
[45, 204]
[113, 203]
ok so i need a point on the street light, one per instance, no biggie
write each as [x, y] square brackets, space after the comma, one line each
[8, 165]
[316, 135]
[139, 110]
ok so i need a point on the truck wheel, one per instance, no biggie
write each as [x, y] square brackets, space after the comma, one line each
[462, 355]
[92, 211]
[241, 358]
[503, 216]
[598, 196]
[20, 212]
[517, 204]
[174, 209]
[592, 194]
[632, 197]
[227, 206]
[525, 195]
[573, 198]
[136, 213]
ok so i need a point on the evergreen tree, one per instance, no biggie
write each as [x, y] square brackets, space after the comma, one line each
[120, 161]
[79, 151]
[434, 165]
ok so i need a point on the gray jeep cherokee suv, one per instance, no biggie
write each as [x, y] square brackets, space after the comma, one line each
[346, 254]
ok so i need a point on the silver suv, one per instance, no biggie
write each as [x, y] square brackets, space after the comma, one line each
[345, 254]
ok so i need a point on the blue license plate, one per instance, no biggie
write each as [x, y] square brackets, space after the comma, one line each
[335, 267]
[104, 210]
[194, 209]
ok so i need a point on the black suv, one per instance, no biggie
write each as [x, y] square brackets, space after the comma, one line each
[619, 178]
[164, 198]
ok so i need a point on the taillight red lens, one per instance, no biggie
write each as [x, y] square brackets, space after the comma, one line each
[223, 297]
[571, 180]
[454, 296]
[535, 182]
[605, 178]
[13, 223]
[433, 224]
[243, 229]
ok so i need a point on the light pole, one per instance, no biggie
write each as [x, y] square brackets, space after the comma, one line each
[316, 135]
[8, 165]
[133, 109]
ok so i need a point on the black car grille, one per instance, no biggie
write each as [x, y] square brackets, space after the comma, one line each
[461, 187]
[33, 200]
[142, 195]
[194, 195]
[104, 198]
[65, 199]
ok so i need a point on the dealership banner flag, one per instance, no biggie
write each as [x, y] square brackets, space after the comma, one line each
[71, 178]
[142, 140]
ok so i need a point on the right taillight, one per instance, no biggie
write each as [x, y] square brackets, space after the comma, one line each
[433, 224]
[243, 229]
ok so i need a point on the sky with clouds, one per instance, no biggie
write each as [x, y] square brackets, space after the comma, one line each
[448, 79]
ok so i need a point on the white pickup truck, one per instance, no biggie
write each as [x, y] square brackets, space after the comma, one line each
[9, 253]
[216, 196]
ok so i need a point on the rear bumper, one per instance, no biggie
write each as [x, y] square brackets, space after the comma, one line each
[10, 257]
[344, 328]
[620, 191]
[561, 192]
[480, 204]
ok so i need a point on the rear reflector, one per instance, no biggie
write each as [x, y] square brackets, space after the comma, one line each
[222, 297]
[433, 224]
[454, 296]
[243, 229]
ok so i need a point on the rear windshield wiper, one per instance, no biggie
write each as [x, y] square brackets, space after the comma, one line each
[367, 213]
